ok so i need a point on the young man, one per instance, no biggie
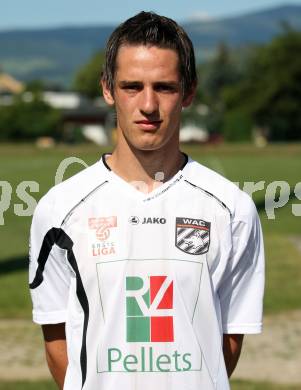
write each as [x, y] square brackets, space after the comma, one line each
[139, 284]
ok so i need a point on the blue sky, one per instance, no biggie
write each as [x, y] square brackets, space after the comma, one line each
[50, 13]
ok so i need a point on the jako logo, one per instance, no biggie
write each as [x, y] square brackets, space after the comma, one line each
[134, 220]
[149, 304]
[161, 221]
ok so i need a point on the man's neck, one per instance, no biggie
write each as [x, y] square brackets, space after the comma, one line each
[149, 167]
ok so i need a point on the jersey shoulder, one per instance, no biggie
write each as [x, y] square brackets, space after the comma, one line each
[223, 190]
[61, 198]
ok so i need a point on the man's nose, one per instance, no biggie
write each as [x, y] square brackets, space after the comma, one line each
[149, 101]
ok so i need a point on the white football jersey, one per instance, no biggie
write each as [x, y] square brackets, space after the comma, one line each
[147, 283]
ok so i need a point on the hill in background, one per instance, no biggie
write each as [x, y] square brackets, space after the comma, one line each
[54, 55]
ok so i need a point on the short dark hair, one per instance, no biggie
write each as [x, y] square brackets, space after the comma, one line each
[150, 29]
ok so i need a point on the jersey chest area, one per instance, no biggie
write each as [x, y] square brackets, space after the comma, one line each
[144, 266]
[183, 224]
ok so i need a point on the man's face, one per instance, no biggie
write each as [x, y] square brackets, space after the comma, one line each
[148, 96]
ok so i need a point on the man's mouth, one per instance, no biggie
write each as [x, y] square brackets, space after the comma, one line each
[149, 124]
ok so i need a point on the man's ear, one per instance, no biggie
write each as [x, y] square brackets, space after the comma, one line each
[188, 98]
[107, 93]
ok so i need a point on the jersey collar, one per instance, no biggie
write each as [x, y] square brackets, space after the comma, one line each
[130, 189]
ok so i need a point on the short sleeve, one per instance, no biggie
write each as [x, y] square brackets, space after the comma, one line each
[242, 285]
[49, 274]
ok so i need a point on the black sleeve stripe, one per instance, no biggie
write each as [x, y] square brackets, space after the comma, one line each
[211, 195]
[61, 239]
[68, 215]
[52, 237]
[83, 300]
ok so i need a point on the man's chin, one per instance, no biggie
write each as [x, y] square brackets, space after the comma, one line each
[149, 145]
[148, 148]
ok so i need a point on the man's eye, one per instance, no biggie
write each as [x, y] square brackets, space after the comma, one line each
[165, 88]
[131, 87]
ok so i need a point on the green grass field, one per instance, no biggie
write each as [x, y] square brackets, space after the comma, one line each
[240, 163]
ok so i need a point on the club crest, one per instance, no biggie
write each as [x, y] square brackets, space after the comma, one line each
[192, 235]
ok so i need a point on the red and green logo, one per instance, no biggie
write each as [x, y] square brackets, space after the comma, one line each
[149, 304]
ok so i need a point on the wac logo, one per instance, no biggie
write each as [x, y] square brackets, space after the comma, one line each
[149, 307]
[192, 235]
[102, 226]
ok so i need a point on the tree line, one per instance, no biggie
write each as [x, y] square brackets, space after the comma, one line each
[242, 90]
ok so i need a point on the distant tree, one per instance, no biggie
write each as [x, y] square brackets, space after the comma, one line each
[216, 75]
[38, 86]
[270, 93]
[87, 78]
[222, 72]
[35, 86]
[28, 119]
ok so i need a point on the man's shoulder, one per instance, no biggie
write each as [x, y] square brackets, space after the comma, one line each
[223, 190]
[62, 197]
